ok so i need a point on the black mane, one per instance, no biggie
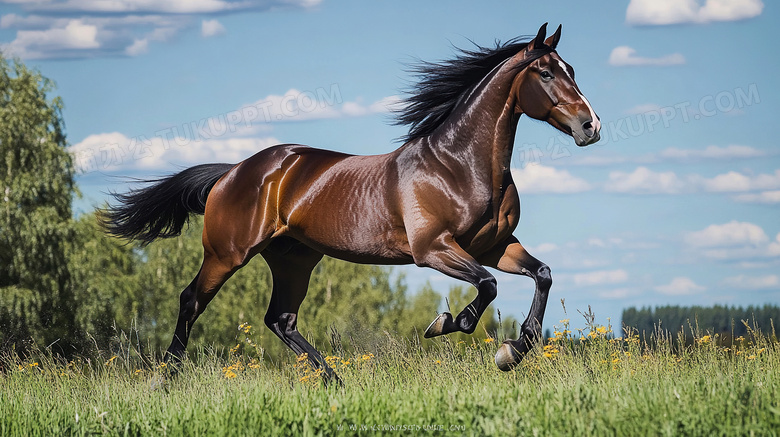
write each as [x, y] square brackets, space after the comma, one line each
[443, 84]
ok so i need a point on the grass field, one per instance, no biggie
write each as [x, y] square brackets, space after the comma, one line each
[581, 383]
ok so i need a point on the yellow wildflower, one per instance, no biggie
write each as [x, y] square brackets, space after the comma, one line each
[245, 327]
[110, 361]
[489, 340]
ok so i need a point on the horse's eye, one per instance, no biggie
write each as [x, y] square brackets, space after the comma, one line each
[546, 75]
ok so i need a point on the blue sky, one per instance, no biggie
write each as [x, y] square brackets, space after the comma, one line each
[678, 204]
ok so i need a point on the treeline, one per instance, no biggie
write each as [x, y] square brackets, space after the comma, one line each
[67, 287]
[728, 322]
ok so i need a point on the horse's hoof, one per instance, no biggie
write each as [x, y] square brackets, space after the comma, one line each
[440, 326]
[507, 357]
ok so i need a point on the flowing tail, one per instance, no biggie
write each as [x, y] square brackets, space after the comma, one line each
[161, 210]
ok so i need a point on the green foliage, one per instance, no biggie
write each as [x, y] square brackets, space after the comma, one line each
[36, 189]
[718, 319]
[105, 281]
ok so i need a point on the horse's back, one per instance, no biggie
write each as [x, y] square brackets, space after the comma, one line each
[343, 205]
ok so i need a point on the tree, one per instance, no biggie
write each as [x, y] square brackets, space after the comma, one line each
[104, 281]
[36, 189]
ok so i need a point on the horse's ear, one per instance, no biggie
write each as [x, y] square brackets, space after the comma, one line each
[539, 39]
[552, 41]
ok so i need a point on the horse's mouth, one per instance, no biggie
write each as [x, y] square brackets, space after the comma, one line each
[583, 140]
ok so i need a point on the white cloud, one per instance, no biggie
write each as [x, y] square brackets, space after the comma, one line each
[680, 286]
[232, 136]
[89, 28]
[733, 241]
[601, 277]
[209, 28]
[753, 282]
[670, 154]
[765, 197]
[730, 10]
[295, 105]
[663, 12]
[623, 56]
[71, 35]
[644, 181]
[116, 152]
[730, 234]
[738, 182]
[181, 7]
[138, 47]
[774, 247]
[537, 178]
[44, 37]
[732, 151]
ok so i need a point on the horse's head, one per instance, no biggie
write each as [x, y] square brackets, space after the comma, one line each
[545, 90]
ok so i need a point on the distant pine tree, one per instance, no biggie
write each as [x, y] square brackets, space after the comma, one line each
[698, 320]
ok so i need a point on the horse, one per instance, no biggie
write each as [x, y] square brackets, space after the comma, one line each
[445, 199]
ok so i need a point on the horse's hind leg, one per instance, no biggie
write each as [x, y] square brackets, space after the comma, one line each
[194, 299]
[291, 264]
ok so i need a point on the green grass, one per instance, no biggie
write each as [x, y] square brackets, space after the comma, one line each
[598, 386]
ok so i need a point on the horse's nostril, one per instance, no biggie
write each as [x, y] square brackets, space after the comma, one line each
[588, 125]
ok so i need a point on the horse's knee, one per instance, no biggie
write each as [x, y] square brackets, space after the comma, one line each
[488, 288]
[544, 277]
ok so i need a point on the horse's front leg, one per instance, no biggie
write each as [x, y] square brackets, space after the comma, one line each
[511, 257]
[446, 256]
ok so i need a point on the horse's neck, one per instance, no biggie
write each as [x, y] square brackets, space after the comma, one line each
[479, 135]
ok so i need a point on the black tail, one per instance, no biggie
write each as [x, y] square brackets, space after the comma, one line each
[162, 209]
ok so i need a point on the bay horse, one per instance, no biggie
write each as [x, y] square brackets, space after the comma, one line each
[445, 199]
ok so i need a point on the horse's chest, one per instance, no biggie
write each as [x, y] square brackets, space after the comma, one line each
[497, 223]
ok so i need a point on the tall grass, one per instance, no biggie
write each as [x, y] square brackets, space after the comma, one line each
[577, 383]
